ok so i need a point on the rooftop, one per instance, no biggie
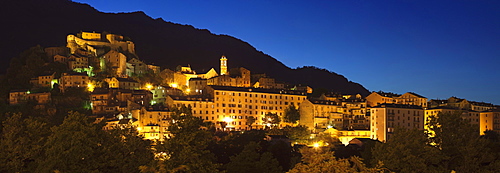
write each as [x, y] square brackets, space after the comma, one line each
[192, 98]
[387, 105]
[388, 94]
[126, 80]
[258, 90]
[418, 95]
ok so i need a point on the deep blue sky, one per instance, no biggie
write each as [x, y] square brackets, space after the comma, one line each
[437, 49]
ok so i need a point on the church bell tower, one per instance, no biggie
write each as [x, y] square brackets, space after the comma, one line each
[223, 65]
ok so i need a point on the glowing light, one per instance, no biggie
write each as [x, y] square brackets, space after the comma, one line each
[52, 82]
[227, 119]
[28, 92]
[173, 85]
[90, 87]
[149, 86]
[316, 145]
[188, 90]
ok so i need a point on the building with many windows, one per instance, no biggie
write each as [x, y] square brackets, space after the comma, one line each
[122, 83]
[111, 101]
[68, 80]
[489, 120]
[234, 105]
[386, 117]
[152, 123]
[23, 96]
[319, 115]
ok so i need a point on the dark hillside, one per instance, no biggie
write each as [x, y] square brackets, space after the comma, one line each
[26, 23]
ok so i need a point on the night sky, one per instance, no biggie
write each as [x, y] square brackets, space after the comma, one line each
[437, 49]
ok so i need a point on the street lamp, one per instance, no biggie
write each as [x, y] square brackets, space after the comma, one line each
[149, 86]
[90, 87]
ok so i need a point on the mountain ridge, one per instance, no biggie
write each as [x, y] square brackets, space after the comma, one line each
[156, 41]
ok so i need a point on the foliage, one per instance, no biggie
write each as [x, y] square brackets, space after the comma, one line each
[148, 77]
[328, 140]
[27, 65]
[450, 143]
[230, 144]
[291, 114]
[77, 145]
[22, 68]
[317, 160]
[252, 159]
[406, 151]
[272, 118]
[187, 150]
[251, 120]
[297, 134]
[460, 142]
[21, 143]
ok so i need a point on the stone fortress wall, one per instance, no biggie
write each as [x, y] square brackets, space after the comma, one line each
[89, 40]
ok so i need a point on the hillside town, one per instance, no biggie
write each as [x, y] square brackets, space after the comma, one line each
[127, 92]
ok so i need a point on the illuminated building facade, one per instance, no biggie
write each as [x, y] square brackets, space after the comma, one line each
[68, 80]
[458, 103]
[117, 62]
[22, 96]
[473, 117]
[409, 98]
[321, 114]
[122, 83]
[136, 67]
[235, 105]
[386, 117]
[76, 63]
[90, 40]
[152, 124]
[338, 112]
[46, 80]
[223, 65]
[489, 120]
[109, 101]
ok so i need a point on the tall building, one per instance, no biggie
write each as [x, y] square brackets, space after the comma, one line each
[234, 105]
[475, 118]
[73, 80]
[386, 117]
[321, 114]
[489, 120]
[223, 65]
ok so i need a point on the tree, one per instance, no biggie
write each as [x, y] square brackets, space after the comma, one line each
[317, 160]
[187, 150]
[250, 121]
[460, 142]
[223, 125]
[298, 134]
[407, 150]
[230, 144]
[21, 143]
[272, 118]
[77, 145]
[130, 150]
[251, 160]
[291, 114]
